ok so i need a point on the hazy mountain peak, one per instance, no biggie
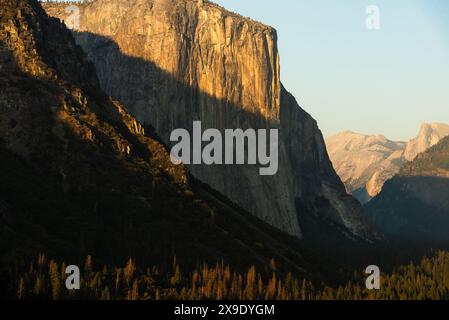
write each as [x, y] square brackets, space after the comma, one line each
[358, 138]
[365, 162]
[415, 203]
[429, 135]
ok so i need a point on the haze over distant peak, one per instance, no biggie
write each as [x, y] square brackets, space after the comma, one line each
[364, 159]
[414, 204]
[365, 162]
[429, 135]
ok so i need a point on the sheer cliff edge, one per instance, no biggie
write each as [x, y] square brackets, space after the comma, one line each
[173, 62]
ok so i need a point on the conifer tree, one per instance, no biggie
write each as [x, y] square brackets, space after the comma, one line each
[55, 280]
[133, 294]
[88, 265]
[21, 289]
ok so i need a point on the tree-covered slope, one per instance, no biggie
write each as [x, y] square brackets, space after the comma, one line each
[414, 205]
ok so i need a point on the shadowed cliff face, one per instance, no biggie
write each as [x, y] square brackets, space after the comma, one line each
[79, 175]
[173, 62]
[413, 209]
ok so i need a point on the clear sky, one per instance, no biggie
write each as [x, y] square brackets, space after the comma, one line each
[350, 78]
[347, 77]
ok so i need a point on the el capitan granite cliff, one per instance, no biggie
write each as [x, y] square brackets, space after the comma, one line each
[173, 62]
[80, 176]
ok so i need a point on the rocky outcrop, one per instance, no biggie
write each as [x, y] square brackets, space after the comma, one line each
[429, 135]
[366, 162]
[173, 62]
[414, 205]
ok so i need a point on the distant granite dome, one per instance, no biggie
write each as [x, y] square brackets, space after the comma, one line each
[429, 135]
[366, 162]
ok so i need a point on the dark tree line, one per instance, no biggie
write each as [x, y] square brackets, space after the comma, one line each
[45, 279]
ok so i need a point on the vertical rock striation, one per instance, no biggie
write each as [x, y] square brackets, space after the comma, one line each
[79, 175]
[173, 62]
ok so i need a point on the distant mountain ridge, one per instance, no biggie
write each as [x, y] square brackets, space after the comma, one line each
[414, 205]
[429, 135]
[366, 162]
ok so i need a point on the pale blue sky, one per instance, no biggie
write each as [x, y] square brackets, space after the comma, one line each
[349, 78]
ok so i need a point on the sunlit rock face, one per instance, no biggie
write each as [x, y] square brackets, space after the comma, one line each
[80, 176]
[429, 135]
[366, 162]
[414, 205]
[173, 62]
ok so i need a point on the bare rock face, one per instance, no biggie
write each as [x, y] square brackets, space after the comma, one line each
[429, 135]
[414, 205]
[79, 175]
[366, 162]
[173, 62]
